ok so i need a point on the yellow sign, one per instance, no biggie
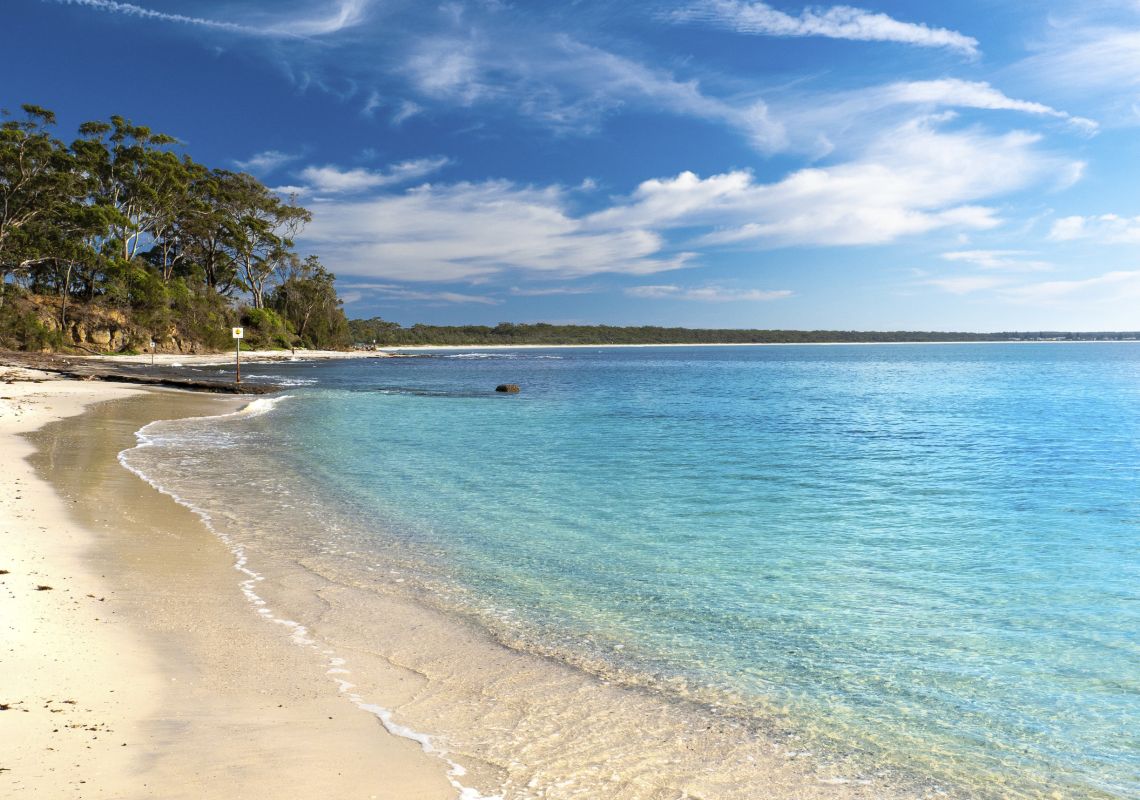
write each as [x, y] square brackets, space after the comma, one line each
[239, 333]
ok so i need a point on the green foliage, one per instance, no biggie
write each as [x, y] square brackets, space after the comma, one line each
[306, 297]
[118, 225]
[390, 334]
[266, 329]
[20, 324]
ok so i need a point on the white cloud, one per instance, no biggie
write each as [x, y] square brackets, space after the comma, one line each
[1107, 228]
[1088, 57]
[837, 22]
[405, 112]
[707, 294]
[954, 93]
[333, 180]
[373, 102]
[1118, 286]
[570, 86]
[966, 284]
[265, 162]
[915, 179]
[396, 292]
[344, 14]
[447, 69]
[549, 291]
[1005, 260]
[467, 230]
[132, 10]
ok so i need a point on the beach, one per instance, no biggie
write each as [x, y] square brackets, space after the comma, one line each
[138, 670]
[241, 601]
[139, 667]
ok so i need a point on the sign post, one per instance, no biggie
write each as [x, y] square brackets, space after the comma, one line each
[239, 334]
[153, 347]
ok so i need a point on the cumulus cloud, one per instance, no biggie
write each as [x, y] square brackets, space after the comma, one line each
[706, 294]
[467, 230]
[916, 179]
[837, 22]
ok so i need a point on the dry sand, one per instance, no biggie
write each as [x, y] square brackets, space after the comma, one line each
[140, 672]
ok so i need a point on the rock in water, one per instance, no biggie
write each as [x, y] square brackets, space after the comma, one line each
[510, 388]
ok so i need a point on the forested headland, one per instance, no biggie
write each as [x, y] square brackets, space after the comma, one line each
[119, 238]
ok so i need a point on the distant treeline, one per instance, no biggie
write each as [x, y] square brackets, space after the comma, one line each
[116, 239]
[390, 334]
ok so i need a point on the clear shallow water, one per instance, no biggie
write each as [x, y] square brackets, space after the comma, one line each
[926, 555]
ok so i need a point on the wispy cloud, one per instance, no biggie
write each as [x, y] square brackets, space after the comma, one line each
[343, 14]
[265, 162]
[396, 292]
[707, 294]
[406, 110]
[139, 12]
[1110, 288]
[966, 284]
[550, 291]
[1004, 260]
[334, 180]
[1107, 228]
[837, 22]
[570, 86]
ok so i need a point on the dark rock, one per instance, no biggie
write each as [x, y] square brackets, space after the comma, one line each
[509, 388]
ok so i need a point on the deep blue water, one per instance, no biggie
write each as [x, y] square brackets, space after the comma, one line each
[926, 553]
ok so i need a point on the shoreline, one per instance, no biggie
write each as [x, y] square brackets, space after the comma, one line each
[430, 347]
[214, 701]
[518, 721]
[141, 672]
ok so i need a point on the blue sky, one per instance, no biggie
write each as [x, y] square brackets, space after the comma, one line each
[885, 165]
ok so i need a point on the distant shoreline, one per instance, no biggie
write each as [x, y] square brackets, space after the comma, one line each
[394, 348]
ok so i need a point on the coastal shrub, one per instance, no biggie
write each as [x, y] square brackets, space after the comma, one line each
[266, 329]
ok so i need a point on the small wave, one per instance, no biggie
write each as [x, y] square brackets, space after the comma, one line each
[298, 633]
[483, 355]
[277, 379]
[262, 405]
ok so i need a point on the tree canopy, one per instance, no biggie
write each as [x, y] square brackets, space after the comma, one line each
[122, 228]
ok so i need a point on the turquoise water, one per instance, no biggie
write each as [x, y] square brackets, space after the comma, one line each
[922, 555]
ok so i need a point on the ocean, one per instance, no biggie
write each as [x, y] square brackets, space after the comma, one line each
[912, 568]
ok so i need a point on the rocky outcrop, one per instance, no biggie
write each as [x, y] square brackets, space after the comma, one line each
[509, 388]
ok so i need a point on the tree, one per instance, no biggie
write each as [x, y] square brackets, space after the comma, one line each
[261, 229]
[306, 297]
[33, 165]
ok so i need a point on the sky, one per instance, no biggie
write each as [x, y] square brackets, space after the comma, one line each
[968, 166]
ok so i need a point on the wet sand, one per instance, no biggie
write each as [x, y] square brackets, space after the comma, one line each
[213, 697]
[142, 672]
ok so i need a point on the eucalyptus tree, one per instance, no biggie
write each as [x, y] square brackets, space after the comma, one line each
[306, 297]
[33, 165]
[261, 232]
[127, 170]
